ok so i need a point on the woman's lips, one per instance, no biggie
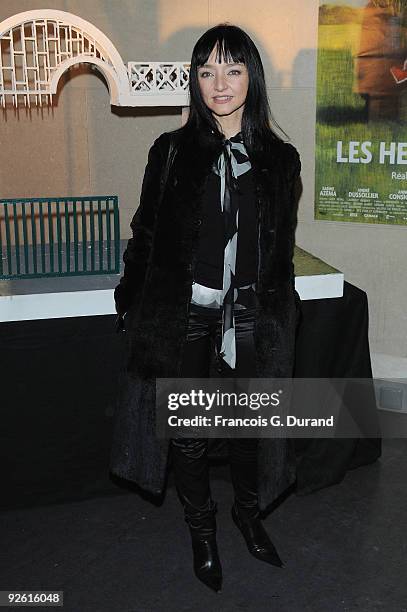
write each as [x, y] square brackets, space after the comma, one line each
[222, 99]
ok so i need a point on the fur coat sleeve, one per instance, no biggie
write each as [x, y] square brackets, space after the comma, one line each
[294, 171]
[136, 255]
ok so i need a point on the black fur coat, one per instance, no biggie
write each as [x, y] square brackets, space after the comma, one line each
[156, 288]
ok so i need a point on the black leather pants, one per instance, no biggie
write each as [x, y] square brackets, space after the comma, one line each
[190, 455]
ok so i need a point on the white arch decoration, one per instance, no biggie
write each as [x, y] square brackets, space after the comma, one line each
[37, 47]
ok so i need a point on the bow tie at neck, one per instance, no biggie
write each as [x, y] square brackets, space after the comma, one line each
[236, 138]
[229, 163]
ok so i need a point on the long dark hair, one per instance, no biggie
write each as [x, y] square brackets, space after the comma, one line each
[233, 44]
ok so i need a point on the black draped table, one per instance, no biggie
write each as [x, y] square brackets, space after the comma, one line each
[59, 387]
[332, 342]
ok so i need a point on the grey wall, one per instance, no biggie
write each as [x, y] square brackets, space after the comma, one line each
[83, 146]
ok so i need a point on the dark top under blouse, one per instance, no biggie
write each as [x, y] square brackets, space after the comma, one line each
[210, 259]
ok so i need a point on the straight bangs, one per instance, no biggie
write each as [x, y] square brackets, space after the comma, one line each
[228, 48]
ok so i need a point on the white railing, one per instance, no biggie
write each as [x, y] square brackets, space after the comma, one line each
[155, 77]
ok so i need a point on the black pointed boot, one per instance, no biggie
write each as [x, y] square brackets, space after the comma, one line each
[257, 539]
[191, 469]
[245, 510]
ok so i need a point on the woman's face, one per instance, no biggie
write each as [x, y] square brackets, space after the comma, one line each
[223, 86]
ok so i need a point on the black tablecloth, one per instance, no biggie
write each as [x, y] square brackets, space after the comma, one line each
[59, 385]
[332, 342]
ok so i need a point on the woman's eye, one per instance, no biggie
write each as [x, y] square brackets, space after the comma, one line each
[204, 74]
[235, 72]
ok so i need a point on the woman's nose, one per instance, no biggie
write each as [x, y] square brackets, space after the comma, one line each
[220, 83]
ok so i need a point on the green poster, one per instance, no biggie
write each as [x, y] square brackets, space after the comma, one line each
[361, 132]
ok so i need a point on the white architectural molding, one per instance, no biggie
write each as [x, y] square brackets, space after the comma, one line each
[106, 69]
[37, 47]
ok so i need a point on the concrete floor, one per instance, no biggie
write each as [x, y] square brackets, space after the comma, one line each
[344, 548]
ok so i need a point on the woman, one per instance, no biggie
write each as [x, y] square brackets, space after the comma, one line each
[209, 279]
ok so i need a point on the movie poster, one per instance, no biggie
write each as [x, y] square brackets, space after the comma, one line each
[361, 132]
